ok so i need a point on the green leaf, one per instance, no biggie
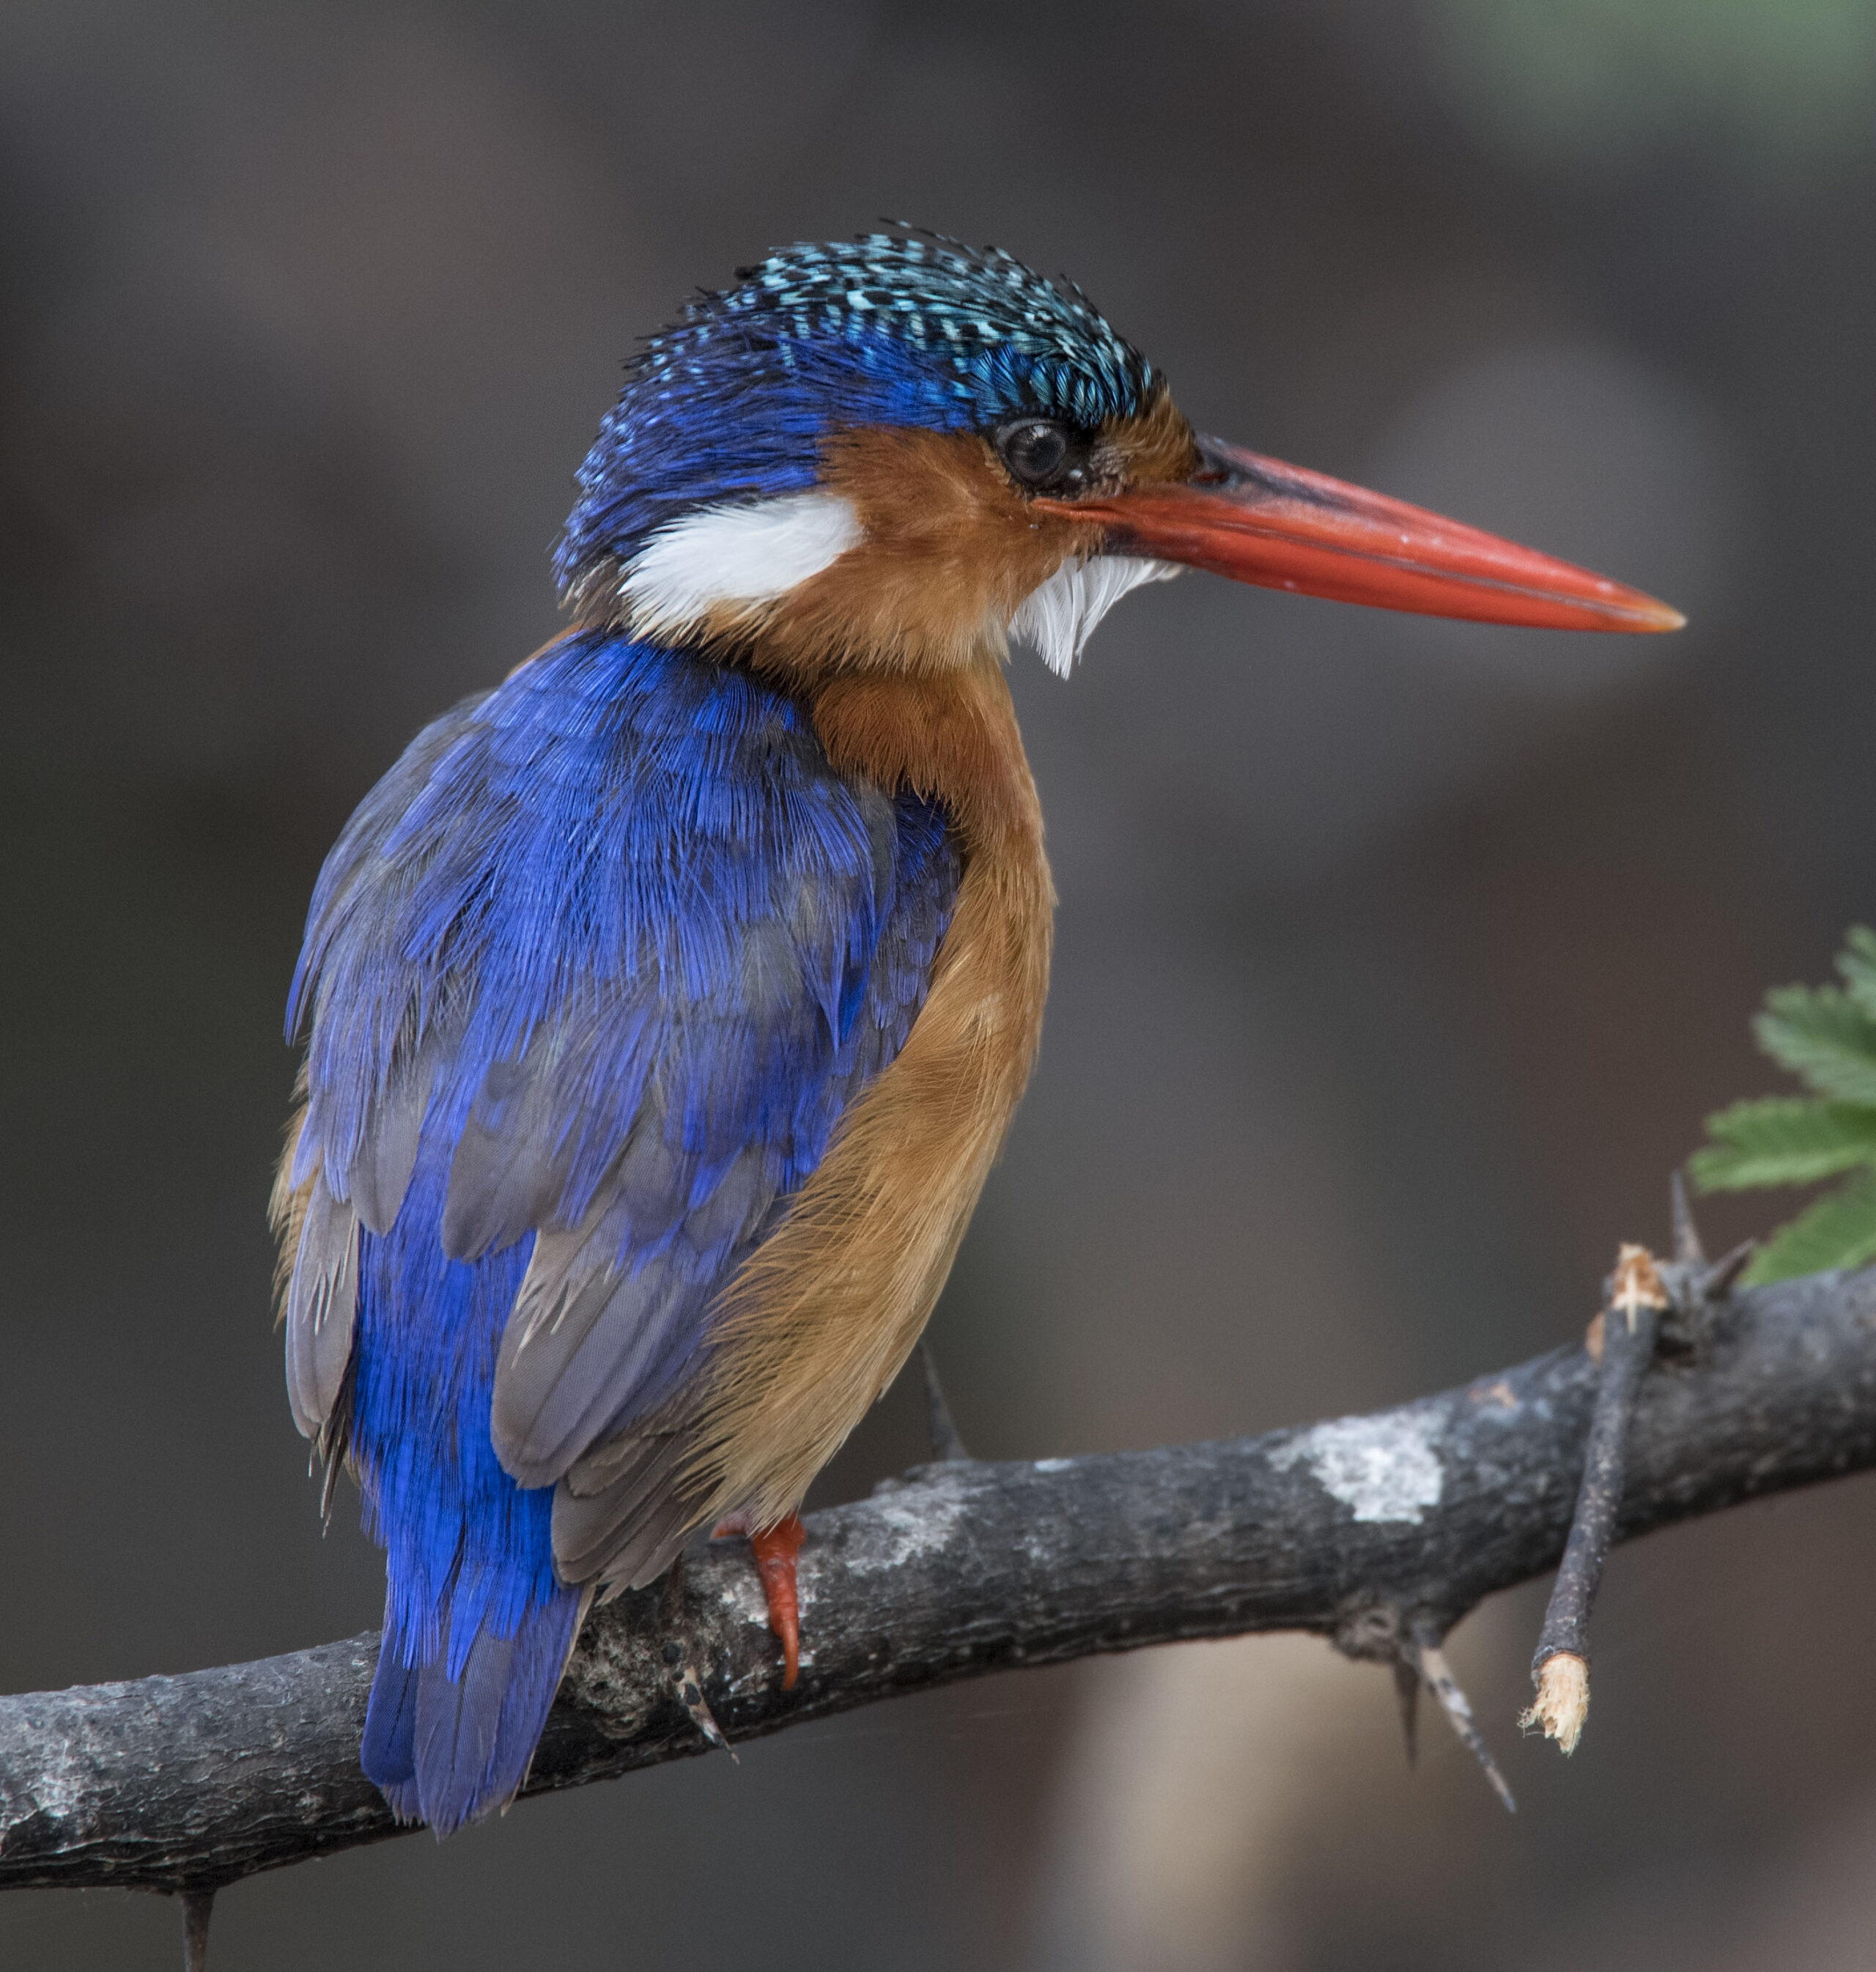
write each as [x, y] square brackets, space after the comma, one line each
[1827, 1035]
[1856, 962]
[1783, 1139]
[1837, 1231]
[1824, 1037]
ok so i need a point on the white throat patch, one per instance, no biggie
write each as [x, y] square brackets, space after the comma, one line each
[1058, 619]
[742, 552]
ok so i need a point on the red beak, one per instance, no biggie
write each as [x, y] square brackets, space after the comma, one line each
[1256, 519]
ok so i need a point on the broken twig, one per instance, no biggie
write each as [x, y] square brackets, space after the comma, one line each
[1629, 1326]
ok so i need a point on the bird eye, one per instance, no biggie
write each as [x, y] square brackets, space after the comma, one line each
[1041, 456]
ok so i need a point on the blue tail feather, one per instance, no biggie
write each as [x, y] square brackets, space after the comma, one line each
[446, 1750]
[476, 1733]
[388, 1751]
[477, 1624]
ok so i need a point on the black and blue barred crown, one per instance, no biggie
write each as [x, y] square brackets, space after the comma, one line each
[733, 398]
[999, 339]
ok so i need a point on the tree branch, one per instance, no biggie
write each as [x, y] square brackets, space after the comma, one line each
[1369, 1530]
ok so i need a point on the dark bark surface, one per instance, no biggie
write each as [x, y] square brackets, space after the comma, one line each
[1365, 1529]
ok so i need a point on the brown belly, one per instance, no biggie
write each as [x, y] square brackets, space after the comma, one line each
[822, 1316]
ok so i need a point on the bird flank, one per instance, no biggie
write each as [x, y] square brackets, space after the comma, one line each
[823, 1313]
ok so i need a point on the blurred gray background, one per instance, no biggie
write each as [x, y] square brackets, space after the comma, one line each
[1399, 961]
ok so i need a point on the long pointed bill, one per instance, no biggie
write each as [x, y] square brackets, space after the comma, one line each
[1256, 519]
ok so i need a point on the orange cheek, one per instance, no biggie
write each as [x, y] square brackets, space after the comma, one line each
[951, 549]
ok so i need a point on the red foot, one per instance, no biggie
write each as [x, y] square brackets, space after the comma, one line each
[774, 1549]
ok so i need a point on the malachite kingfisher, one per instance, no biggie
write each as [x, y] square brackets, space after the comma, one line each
[667, 1005]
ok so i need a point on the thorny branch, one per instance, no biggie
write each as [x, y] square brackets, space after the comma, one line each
[1379, 1533]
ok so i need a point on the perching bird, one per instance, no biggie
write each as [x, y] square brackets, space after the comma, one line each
[669, 1002]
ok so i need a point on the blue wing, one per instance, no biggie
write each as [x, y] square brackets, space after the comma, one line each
[591, 974]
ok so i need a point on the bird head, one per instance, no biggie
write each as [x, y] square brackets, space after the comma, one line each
[889, 454]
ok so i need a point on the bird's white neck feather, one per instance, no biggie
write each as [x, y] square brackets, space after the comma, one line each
[1058, 619]
[737, 553]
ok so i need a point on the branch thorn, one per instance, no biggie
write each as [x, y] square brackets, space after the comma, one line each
[948, 1446]
[198, 1906]
[1688, 1250]
[1716, 1282]
[1430, 1660]
[1407, 1693]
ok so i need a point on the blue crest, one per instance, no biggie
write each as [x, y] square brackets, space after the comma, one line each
[731, 399]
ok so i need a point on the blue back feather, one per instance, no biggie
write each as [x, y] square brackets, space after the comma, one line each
[601, 959]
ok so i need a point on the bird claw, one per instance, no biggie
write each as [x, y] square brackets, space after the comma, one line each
[774, 1549]
[690, 1696]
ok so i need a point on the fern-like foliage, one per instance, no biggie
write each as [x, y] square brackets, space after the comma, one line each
[1826, 1036]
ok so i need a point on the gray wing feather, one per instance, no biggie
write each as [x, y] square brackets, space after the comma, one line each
[620, 1515]
[321, 1303]
[388, 1156]
[581, 1337]
[589, 1335]
[510, 1164]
